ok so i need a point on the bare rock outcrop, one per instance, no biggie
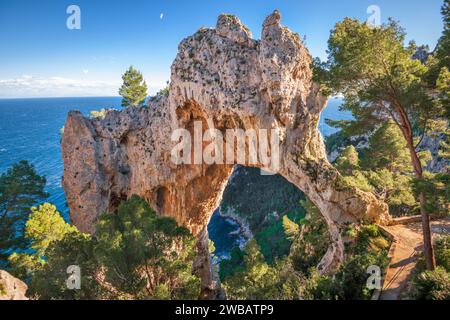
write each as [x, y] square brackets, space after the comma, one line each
[11, 288]
[222, 79]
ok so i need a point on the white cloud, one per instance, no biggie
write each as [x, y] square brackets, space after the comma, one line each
[31, 86]
[85, 71]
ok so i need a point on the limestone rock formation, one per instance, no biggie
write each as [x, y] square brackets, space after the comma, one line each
[224, 79]
[11, 288]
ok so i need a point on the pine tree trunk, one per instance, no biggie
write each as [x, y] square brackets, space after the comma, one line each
[427, 241]
[426, 228]
[406, 128]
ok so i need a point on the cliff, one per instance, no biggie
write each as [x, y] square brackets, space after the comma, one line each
[11, 288]
[223, 79]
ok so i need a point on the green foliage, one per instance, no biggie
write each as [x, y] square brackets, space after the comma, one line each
[24, 266]
[442, 251]
[309, 249]
[441, 58]
[395, 189]
[358, 180]
[381, 80]
[235, 264]
[348, 160]
[443, 88]
[376, 74]
[349, 283]
[50, 281]
[145, 255]
[319, 287]
[388, 150]
[260, 281]
[297, 278]
[135, 255]
[337, 141]
[431, 285]
[261, 196]
[211, 247]
[443, 49]
[20, 188]
[44, 227]
[56, 245]
[385, 169]
[134, 88]
[272, 237]
[256, 198]
[436, 188]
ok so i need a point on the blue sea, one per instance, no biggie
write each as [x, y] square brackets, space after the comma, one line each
[30, 130]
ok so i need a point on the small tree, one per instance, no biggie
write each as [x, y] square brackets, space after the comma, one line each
[259, 281]
[44, 227]
[20, 188]
[50, 281]
[309, 248]
[146, 256]
[388, 150]
[134, 88]
[348, 160]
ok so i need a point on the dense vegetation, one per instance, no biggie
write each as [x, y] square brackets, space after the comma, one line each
[396, 101]
[295, 276]
[433, 285]
[382, 168]
[381, 80]
[262, 201]
[20, 188]
[134, 255]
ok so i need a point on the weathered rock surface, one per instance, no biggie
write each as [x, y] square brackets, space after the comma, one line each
[223, 78]
[11, 288]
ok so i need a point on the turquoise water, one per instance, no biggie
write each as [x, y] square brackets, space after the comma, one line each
[30, 130]
[225, 233]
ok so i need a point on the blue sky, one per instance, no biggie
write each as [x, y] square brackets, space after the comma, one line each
[40, 57]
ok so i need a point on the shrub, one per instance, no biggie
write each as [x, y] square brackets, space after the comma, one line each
[442, 250]
[350, 282]
[431, 285]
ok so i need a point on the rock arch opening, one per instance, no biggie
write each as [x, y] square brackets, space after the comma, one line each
[252, 205]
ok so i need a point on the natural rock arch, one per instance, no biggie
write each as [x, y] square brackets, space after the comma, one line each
[223, 78]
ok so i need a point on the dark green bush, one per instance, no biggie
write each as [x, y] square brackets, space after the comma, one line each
[431, 285]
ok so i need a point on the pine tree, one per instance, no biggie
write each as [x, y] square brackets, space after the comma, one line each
[20, 188]
[388, 150]
[146, 256]
[259, 281]
[379, 78]
[50, 281]
[348, 160]
[135, 255]
[44, 227]
[134, 88]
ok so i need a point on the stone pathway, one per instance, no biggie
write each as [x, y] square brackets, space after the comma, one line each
[404, 257]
